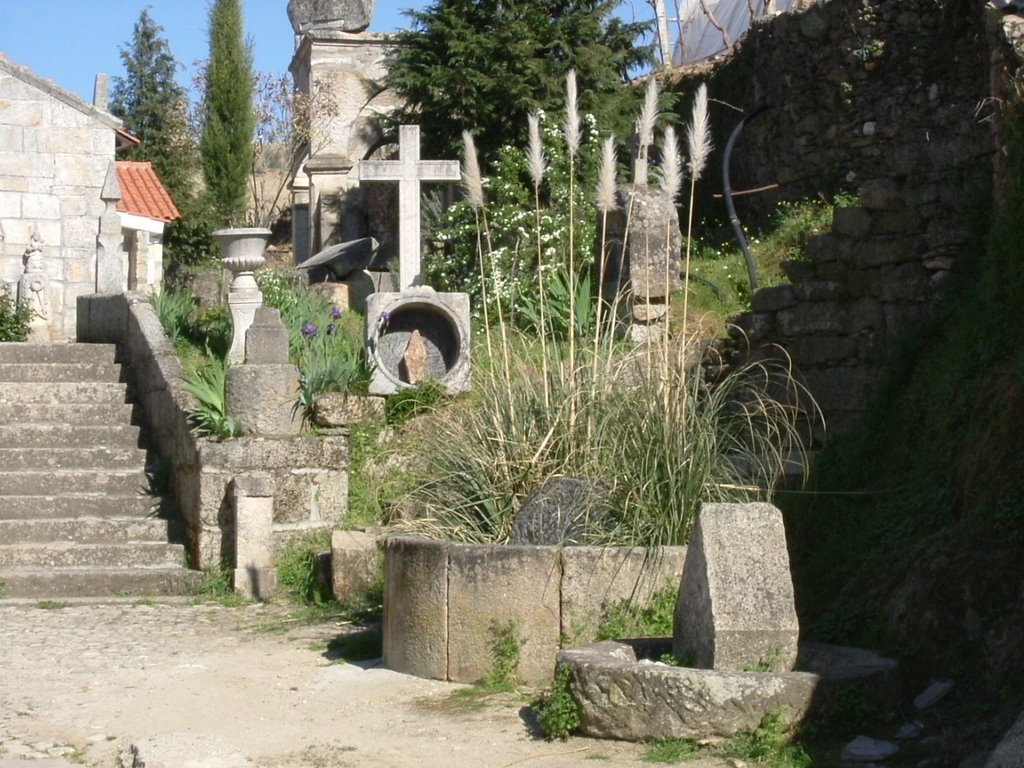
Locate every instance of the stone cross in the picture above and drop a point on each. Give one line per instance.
(408, 170)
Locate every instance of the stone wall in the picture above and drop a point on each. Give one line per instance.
(444, 601)
(309, 474)
(55, 152)
(892, 100)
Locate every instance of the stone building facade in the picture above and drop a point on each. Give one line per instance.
(56, 153)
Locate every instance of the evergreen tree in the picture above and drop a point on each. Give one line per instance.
(484, 65)
(154, 109)
(228, 121)
(152, 106)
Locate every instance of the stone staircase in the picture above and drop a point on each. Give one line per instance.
(77, 515)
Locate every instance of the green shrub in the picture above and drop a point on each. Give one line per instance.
(557, 711)
(15, 317)
(503, 674)
(626, 619)
(771, 742)
(413, 401)
(297, 568)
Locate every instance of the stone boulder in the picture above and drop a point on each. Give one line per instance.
(557, 512)
(343, 15)
(736, 609)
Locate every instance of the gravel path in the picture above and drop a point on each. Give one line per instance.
(204, 686)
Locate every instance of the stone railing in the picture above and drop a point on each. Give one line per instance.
(308, 474)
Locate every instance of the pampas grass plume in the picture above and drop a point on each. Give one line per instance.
(471, 179)
(672, 176)
(535, 154)
(605, 198)
(572, 114)
(699, 133)
(649, 113)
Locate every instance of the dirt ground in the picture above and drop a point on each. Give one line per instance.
(207, 686)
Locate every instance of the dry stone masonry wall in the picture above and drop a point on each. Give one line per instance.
(894, 102)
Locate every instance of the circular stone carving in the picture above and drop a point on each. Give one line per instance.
(419, 340)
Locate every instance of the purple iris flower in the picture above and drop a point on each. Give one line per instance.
(335, 312)
(309, 330)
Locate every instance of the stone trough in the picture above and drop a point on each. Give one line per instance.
(622, 695)
(736, 628)
(442, 600)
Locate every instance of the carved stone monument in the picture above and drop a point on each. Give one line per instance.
(34, 290)
(110, 272)
(243, 255)
(416, 335)
(408, 170)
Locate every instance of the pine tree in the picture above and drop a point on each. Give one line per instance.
(228, 121)
(484, 65)
(154, 109)
(153, 106)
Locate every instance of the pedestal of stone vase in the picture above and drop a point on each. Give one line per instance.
(242, 249)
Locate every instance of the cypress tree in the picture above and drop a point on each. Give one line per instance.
(226, 145)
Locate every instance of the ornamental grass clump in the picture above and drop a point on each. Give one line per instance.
(656, 437)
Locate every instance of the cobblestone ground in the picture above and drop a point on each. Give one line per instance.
(239, 686)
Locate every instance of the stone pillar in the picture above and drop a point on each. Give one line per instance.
(110, 277)
(253, 497)
(262, 392)
(653, 244)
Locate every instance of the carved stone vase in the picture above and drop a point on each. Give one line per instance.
(242, 249)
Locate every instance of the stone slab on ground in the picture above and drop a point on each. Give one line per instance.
(182, 750)
(1010, 752)
(736, 609)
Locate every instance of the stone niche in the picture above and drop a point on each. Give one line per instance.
(418, 335)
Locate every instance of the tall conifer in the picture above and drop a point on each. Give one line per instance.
(226, 145)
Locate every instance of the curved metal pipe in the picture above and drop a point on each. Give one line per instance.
(727, 195)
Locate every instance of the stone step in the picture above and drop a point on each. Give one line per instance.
(61, 393)
(26, 352)
(66, 413)
(59, 372)
(60, 481)
(135, 554)
(71, 458)
(84, 530)
(43, 506)
(69, 435)
(62, 583)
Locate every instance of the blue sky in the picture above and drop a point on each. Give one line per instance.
(69, 41)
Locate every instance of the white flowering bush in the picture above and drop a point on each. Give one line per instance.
(511, 255)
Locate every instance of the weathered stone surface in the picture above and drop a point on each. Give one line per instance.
(266, 341)
(337, 262)
(415, 623)
(346, 15)
(356, 560)
(644, 312)
(557, 512)
(349, 294)
(442, 321)
(261, 399)
(339, 409)
(654, 242)
(620, 698)
(490, 587)
(881, 195)
(772, 299)
(253, 496)
(851, 222)
(736, 608)
(595, 578)
(1010, 752)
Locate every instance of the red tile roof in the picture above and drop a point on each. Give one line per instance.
(142, 193)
